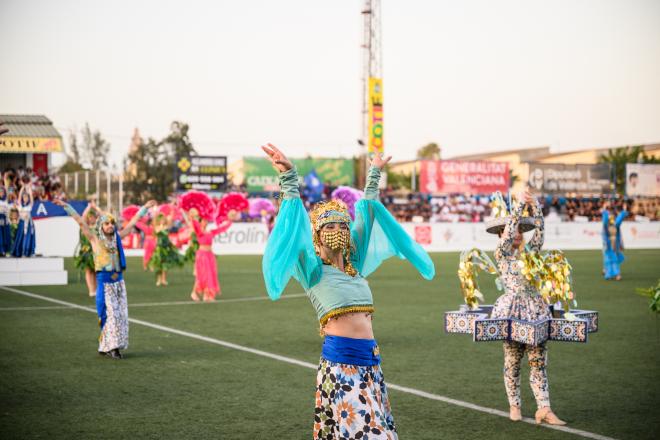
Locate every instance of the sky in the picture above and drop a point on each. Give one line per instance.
(472, 76)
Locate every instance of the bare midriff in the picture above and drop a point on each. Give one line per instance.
(350, 325)
(204, 247)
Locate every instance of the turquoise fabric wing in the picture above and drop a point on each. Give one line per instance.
(290, 250)
(378, 236)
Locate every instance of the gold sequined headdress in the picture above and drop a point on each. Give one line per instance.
(332, 211)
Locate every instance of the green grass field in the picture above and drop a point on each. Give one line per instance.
(54, 385)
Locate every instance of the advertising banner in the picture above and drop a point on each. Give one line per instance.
(260, 175)
(59, 237)
(11, 144)
(642, 180)
(44, 209)
(454, 176)
(202, 173)
(558, 178)
(376, 141)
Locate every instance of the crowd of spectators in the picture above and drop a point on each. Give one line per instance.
(44, 186)
(405, 207)
(416, 207)
(460, 208)
(589, 209)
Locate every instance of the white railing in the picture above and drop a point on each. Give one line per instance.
(106, 188)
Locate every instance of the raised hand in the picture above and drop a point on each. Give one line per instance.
(150, 204)
(277, 158)
(378, 161)
(525, 197)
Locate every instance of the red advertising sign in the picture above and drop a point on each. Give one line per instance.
(423, 234)
(454, 176)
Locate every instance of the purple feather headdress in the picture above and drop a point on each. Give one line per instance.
(258, 205)
(348, 195)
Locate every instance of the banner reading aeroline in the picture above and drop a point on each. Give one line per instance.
(454, 176)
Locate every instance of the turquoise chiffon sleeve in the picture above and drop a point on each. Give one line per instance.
(377, 236)
(290, 250)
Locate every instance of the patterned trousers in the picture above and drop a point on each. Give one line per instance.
(537, 357)
(114, 333)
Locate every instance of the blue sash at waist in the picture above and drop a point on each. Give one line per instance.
(362, 352)
(109, 277)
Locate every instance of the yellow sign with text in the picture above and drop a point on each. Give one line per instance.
(376, 144)
(10, 144)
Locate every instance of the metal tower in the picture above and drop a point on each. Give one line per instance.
(371, 66)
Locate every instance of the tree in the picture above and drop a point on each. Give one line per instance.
(90, 153)
(72, 163)
(140, 162)
(152, 164)
(177, 143)
(429, 151)
(619, 157)
(99, 149)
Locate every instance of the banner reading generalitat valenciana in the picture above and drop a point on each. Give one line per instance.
(454, 176)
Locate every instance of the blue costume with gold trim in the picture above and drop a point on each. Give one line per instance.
(612, 244)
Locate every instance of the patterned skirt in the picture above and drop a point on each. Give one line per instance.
(112, 308)
(84, 258)
(166, 256)
(352, 403)
(524, 306)
(206, 273)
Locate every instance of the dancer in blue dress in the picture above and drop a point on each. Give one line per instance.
(5, 229)
(25, 241)
(612, 242)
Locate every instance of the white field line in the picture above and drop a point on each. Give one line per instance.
(293, 361)
(165, 303)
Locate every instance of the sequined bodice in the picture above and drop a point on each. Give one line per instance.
(106, 261)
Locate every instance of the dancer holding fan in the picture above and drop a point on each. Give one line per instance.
(197, 203)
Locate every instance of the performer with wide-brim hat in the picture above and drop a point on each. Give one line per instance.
(521, 301)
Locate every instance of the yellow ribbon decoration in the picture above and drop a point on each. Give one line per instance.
(467, 273)
(550, 274)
